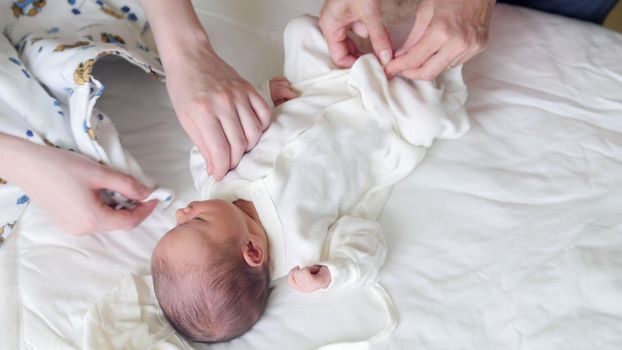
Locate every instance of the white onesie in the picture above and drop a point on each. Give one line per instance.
(318, 178)
(321, 173)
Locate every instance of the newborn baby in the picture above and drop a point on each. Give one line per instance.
(304, 201)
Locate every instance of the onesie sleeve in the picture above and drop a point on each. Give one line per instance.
(355, 253)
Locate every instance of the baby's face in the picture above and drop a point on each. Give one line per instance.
(213, 221)
(202, 228)
(217, 219)
(210, 227)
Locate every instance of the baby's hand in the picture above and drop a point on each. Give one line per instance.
(281, 91)
(310, 278)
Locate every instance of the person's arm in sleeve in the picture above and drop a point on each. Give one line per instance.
(354, 255)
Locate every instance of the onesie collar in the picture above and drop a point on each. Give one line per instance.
(271, 221)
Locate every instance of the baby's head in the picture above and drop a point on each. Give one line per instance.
(210, 272)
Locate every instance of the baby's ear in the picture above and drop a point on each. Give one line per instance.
(252, 253)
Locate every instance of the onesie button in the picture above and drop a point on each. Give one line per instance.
(289, 153)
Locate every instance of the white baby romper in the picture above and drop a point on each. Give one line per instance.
(321, 173)
(304, 175)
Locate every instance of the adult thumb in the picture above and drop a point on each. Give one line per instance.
(379, 37)
(125, 185)
(128, 219)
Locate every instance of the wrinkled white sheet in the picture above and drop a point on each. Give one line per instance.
(508, 238)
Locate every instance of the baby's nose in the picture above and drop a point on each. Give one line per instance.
(181, 213)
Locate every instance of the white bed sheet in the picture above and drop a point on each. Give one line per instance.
(508, 238)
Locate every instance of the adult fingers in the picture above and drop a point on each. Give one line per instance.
(416, 56)
(122, 183)
(336, 35)
(466, 55)
(469, 46)
(260, 108)
(250, 124)
(432, 67)
(231, 126)
(126, 219)
(340, 53)
(379, 37)
(217, 146)
(459, 59)
(197, 139)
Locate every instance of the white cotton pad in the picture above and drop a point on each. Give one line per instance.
(164, 195)
(118, 201)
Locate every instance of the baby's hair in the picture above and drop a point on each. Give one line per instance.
(215, 302)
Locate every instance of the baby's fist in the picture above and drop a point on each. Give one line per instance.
(310, 278)
(281, 91)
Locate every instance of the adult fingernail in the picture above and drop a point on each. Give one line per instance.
(385, 57)
(186, 210)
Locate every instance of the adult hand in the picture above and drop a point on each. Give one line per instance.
(310, 278)
(67, 185)
(363, 17)
(221, 112)
(445, 33)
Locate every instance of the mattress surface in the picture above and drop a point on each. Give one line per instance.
(508, 238)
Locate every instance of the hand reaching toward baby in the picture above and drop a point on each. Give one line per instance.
(70, 189)
(281, 91)
(310, 278)
(221, 112)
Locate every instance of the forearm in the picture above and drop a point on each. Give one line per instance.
(16, 157)
(177, 30)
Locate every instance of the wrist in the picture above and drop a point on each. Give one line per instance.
(184, 51)
(177, 31)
